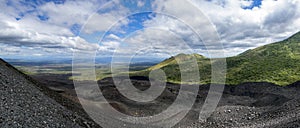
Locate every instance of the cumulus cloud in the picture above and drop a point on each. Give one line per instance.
(271, 22)
(31, 33)
(113, 14)
(52, 28)
(165, 34)
(22, 32)
(239, 28)
(70, 12)
(140, 3)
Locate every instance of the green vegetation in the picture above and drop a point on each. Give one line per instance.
(276, 63)
(172, 70)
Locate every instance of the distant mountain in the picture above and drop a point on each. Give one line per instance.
(276, 63)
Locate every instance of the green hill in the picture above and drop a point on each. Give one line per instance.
(276, 63)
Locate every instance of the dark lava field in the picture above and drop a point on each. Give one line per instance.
(246, 105)
(26, 102)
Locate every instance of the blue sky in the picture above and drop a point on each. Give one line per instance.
(255, 3)
(49, 28)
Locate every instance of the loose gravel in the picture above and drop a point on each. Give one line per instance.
(23, 105)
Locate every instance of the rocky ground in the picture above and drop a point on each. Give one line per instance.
(24, 103)
(247, 105)
(257, 105)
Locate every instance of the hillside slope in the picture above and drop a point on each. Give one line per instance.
(276, 63)
(23, 104)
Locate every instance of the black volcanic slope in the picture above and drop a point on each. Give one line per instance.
(247, 105)
(23, 104)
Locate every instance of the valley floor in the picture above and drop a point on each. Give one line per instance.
(245, 105)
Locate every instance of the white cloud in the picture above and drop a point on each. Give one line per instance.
(140, 3)
(30, 35)
(113, 37)
(272, 21)
(30, 32)
(258, 26)
(154, 41)
(246, 3)
(70, 12)
(238, 28)
(111, 13)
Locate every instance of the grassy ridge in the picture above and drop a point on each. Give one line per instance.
(276, 63)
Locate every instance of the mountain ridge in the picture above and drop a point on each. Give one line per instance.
(275, 63)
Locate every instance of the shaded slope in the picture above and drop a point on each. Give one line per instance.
(24, 105)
